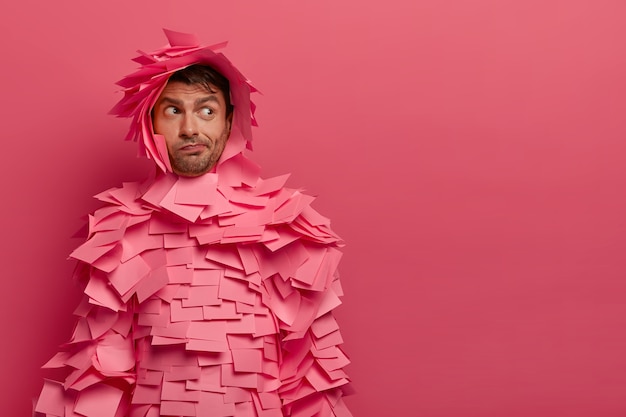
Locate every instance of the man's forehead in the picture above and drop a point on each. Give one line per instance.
(197, 90)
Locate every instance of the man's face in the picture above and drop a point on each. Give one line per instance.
(195, 125)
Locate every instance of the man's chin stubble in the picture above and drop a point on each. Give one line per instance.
(191, 168)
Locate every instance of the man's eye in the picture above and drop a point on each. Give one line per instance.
(206, 111)
(171, 110)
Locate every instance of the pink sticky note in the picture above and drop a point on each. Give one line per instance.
(207, 330)
(236, 290)
(321, 381)
(271, 412)
(247, 360)
(220, 207)
(128, 274)
(324, 325)
(52, 399)
(321, 234)
(163, 359)
(238, 238)
(247, 198)
(176, 391)
(244, 326)
(246, 409)
(174, 330)
(178, 240)
(180, 313)
(160, 225)
(257, 308)
(333, 364)
(292, 207)
(212, 404)
(57, 361)
(275, 239)
(90, 254)
(181, 292)
(285, 309)
(207, 276)
(206, 359)
(110, 260)
(244, 341)
(106, 237)
(138, 240)
(148, 377)
(179, 256)
(101, 292)
(231, 378)
(244, 231)
(270, 350)
(270, 400)
(202, 295)
(81, 332)
(183, 373)
(207, 345)
(152, 306)
(156, 280)
(146, 394)
(225, 256)
(100, 321)
(328, 271)
(211, 236)
(180, 274)
(326, 353)
(115, 353)
(126, 194)
(99, 401)
(154, 320)
(329, 302)
(331, 339)
(237, 395)
(164, 341)
(271, 368)
(178, 408)
(115, 221)
(225, 311)
(249, 261)
(256, 216)
(209, 380)
(159, 189)
(235, 273)
(171, 291)
(265, 325)
(196, 190)
(313, 217)
(309, 269)
(186, 211)
(181, 39)
(271, 185)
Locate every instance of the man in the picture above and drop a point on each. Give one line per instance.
(193, 115)
(208, 290)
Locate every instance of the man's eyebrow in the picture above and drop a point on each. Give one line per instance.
(198, 102)
(203, 100)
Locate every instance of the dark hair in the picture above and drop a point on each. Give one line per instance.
(206, 77)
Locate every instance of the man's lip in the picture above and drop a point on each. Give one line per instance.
(192, 147)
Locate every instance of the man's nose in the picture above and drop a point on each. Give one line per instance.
(189, 126)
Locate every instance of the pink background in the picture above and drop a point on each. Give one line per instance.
(472, 154)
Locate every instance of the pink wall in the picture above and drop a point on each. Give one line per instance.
(472, 153)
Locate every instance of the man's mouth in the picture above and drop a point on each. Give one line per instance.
(193, 147)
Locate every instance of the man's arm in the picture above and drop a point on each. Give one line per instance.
(97, 364)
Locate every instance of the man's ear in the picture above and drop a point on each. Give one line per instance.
(229, 121)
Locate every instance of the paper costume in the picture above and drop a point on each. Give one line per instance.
(205, 296)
